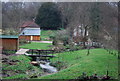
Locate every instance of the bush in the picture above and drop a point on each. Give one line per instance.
(23, 41)
(59, 65)
(7, 52)
(52, 36)
(61, 36)
(10, 31)
(72, 47)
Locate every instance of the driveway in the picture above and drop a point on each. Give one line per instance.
(43, 41)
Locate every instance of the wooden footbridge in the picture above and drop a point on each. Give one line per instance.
(36, 52)
(35, 55)
(21, 51)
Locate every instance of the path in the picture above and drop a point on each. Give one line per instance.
(22, 51)
(43, 41)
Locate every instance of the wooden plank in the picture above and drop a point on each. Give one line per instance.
(22, 51)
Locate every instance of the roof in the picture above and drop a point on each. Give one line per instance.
(8, 36)
(30, 31)
(30, 24)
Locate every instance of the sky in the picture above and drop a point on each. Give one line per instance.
(60, 0)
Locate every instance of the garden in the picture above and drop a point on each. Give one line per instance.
(81, 40)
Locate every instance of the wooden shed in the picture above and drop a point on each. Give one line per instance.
(9, 42)
(30, 34)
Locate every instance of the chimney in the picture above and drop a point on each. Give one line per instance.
(34, 19)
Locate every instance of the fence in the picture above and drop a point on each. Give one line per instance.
(92, 44)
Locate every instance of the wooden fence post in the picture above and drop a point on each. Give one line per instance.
(32, 51)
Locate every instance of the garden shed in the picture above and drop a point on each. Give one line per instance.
(30, 34)
(29, 31)
(9, 42)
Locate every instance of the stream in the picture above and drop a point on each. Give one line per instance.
(46, 66)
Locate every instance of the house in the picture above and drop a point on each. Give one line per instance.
(30, 34)
(79, 34)
(30, 31)
(9, 42)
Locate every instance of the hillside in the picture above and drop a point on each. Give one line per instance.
(77, 62)
(19, 67)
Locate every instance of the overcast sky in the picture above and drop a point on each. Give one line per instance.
(59, 0)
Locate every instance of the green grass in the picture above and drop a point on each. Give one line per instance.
(18, 76)
(34, 45)
(18, 71)
(46, 34)
(23, 64)
(99, 61)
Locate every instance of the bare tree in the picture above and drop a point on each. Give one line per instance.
(75, 14)
(15, 13)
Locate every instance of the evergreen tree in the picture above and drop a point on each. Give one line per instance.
(49, 16)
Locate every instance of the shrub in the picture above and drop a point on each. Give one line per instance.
(59, 65)
(72, 47)
(61, 35)
(10, 31)
(23, 41)
(52, 36)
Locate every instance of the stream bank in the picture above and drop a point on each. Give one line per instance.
(18, 67)
(45, 66)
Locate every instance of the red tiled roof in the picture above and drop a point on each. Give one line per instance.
(29, 24)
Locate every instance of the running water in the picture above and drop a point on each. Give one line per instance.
(49, 68)
(46, 66)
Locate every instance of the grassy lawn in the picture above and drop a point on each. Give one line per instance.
(34, 45)
(46, 34)
(77, 62)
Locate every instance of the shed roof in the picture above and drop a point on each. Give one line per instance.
(30, 24)
(9, 36)
(30, 31)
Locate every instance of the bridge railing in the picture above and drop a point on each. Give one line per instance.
(40, 52)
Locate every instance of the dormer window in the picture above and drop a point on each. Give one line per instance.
(23, 33)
